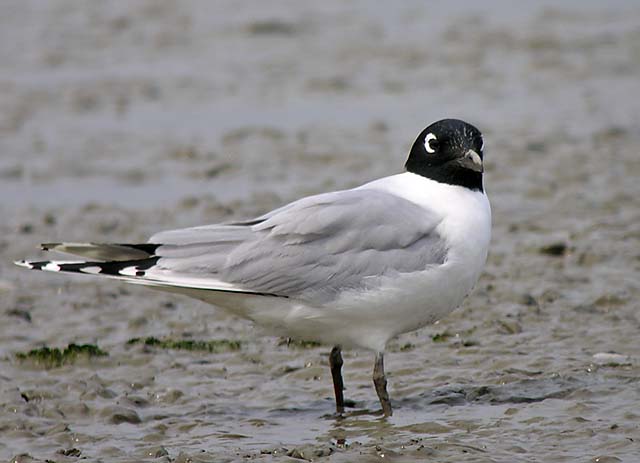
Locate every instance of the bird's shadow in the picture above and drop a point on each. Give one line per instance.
(363, 421)
(366, 421)
(527, 390)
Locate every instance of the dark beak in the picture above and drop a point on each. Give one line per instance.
(472, 161)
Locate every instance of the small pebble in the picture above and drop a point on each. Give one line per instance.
(558, 249)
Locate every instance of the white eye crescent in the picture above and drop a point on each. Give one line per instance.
(427, 141)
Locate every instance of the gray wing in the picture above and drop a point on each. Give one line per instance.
(312, 248)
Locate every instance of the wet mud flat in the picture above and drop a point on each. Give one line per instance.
(118, 120)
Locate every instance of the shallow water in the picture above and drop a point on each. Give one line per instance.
(119, 119)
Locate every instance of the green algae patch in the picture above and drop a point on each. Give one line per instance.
(298, 343)
(406, 347)
(54, 357)
(460, 335)
(441, 337)
(214, 346)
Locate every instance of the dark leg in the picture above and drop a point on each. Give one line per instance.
(380, 382)
(335, 362)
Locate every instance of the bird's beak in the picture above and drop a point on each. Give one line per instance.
(471, 160)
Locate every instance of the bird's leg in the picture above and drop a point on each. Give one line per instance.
(380, 382)
(335, 362)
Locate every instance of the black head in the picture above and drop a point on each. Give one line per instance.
(449, 151)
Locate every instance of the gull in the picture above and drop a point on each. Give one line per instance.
(351, 269)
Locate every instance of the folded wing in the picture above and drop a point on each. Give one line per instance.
(312, 248)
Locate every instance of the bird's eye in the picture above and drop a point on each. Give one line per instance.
(431, 143)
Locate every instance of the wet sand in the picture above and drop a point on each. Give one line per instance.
(120, 119)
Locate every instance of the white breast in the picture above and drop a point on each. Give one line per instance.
(466, 214)
(415, 300)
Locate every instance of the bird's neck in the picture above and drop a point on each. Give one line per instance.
(449, 174)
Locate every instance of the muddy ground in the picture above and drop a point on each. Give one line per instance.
(118, 119)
